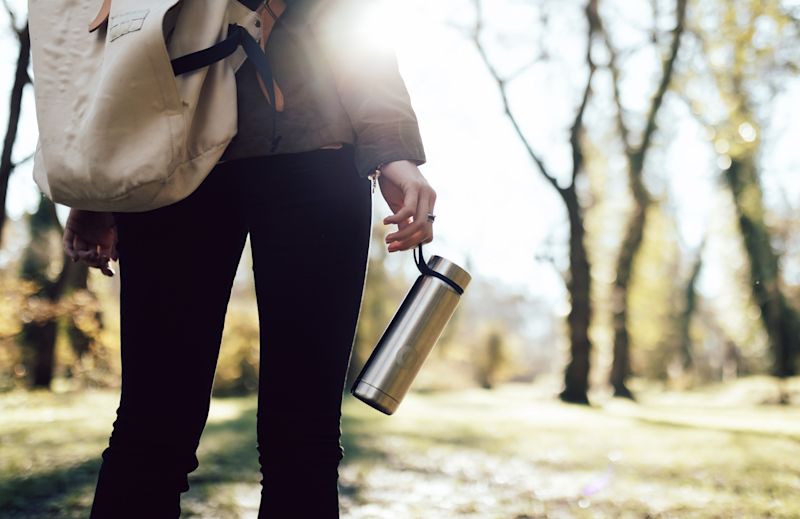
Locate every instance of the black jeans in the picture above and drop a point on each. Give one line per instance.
(309, 219)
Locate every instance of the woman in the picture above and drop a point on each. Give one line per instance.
(296, 179)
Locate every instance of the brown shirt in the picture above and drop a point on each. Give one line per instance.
(335, 86)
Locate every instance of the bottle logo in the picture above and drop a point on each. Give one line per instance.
(406, 356)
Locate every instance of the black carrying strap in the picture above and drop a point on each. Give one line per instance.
(203, 58)
(252, 4)
(426, 270)
(237, 35)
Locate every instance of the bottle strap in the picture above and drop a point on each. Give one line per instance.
(426, 270)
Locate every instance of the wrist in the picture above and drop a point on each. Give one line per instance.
(396, 167)
(103, 218)
(396, 163)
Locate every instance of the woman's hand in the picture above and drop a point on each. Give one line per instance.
(411, 198)
(92, 237)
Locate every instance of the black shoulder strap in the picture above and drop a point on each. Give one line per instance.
(237, 35)
(203, 58)
(251, 4)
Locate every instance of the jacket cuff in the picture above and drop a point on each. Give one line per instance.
(401, 142)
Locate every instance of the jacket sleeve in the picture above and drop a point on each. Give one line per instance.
(369, 85)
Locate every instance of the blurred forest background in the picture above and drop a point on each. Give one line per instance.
(668, 162)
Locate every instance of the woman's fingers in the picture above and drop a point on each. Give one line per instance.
(89, 256)
(420, 231)
(69, 248)
(105, 250)
(425, 200)
(80, 245)
(93, 256)
(407, 211)
(106, 269)
(412, 241)
(97, 260)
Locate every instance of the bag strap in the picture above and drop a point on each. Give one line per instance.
(205, 57)
(237, 35)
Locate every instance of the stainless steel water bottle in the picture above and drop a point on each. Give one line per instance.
(411, 334)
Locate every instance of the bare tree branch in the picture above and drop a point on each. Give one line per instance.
(11, 15)
(690, 104)
(666, 78)
(636, 154)
(24, 159)
(502, 87)
(654, 5)
(551, 260)
(616, 80)
(720, 77)
(576, 130)
(537, 59)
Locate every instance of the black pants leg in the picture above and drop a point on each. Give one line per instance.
(310, 250)
(308, 215)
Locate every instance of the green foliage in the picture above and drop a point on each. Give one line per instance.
(749, 48)
(237, 367)
(654, 296)
(492, 359)
(15, 297)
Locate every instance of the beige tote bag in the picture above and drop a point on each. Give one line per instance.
(118, 130)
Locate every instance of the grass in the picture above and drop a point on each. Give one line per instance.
(513, 452)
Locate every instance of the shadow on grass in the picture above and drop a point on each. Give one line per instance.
(227, 454)
(52, 493)
(360, 437)
(229, 451)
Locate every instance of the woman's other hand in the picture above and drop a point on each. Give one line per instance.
(411, 198)
(91, 236)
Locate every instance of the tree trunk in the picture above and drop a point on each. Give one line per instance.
(38, 337)
(576, 376)
(685, 317)
(780, 320)
(620, 367)
(81, 342)
(41, 356)
(21, 79)
(634, 234)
